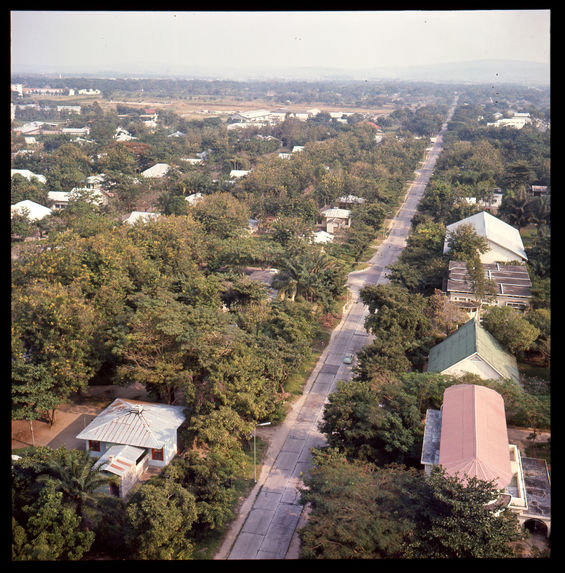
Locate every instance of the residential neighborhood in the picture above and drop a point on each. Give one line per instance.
(277, 318)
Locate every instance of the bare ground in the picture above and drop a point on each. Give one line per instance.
(71, 418)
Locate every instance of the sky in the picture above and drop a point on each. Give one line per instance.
(62, 41)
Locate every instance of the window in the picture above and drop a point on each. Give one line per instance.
(157, 454)
(93, 446)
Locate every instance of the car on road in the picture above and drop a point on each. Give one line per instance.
(348, 359)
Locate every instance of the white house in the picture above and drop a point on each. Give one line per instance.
(237, 173)
(33, 210)
(123, 135)
(148, 426)
(29, 175)
(127, 463)
(492, 204)
(193, 198)
(158, 170)
(142, 216)
(61, 198)
(336, 219)
(504, 241)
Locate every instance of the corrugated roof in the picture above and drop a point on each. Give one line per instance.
(337, 213)
(492, 229)
(468, 339)
(511, 280)
(134, 423)
(474, 439)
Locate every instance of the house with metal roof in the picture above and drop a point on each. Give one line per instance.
(156, 171)
(468, 438)
(336, 219)
(144, 425)
(143, 216)
(472, 349)
(504, 241)
(34, 211)
(126, 464)
(512, 282)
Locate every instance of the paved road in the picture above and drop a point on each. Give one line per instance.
(267, 525)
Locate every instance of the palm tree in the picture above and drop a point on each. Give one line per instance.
(299, 274)
(75, 476)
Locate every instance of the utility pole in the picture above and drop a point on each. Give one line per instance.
(255, 449)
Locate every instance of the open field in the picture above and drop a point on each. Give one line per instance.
(212, 105)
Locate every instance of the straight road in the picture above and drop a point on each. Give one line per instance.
(267, 524)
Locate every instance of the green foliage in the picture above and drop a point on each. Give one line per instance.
(357, 511)
(373, 421)
(51, 531)
(161, 517)
(457, 521)
(361, 511)
(510, 328)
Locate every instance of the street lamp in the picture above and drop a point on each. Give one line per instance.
(255, 449)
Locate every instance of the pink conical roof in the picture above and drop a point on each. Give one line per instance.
(474, 440)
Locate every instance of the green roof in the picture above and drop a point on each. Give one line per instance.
(467, 340)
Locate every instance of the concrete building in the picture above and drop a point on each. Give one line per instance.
(469, 439)
(513, 285)
(336, 219)
(504, 241)
(150, 427)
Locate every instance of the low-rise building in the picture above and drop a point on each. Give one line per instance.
(471, 349)
(29, 175)
(156, 171)
(141, 216)
(34, 211)
(149, 426)
(336, 219)
(504, 241)
(512, 282)
(468, 438)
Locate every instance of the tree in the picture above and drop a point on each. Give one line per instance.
(445, 315)
(510, 328)
(56, 328)
(161, 516)
(300, 273)
(458, 519)
(155, 350)
(357, 509)
(464, 243)
(73, 474)
(51, 532)
(221, 214)
(372, 421)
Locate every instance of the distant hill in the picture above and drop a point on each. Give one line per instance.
(478, 71)
(474, 72)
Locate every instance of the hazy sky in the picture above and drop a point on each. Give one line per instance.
(89, 41)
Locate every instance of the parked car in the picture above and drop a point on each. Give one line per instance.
(348, 359)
